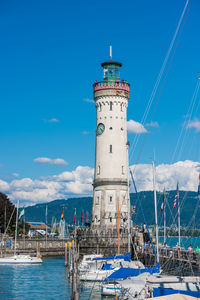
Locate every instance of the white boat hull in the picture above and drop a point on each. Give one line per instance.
(20, 259)
(99, 275)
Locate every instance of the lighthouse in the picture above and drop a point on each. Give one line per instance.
(111, 185)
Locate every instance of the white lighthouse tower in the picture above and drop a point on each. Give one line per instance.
(111, 191)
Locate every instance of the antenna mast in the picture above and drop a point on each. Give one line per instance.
(110, 53)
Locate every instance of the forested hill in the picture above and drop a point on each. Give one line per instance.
(188, 202)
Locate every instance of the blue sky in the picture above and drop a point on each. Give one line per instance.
(50, 55)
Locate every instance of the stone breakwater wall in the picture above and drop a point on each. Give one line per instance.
(49, 247)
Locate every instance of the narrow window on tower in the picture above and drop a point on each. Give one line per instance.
(110, 219)
(122, 170)
(111, 105)
(99, 106)
(121, 107)
(97, 200)
(98, 170)
(110, 148)
(110, 199)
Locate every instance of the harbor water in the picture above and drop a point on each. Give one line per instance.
(172, 241)
(50, 279)
(46, 281)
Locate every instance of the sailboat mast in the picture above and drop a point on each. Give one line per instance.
(179, 223)
(155, 205)
(118, 225)
(129, 205)
(5, 219)
(164, 217)
(16, 227)
(24, 229)
(46, 224)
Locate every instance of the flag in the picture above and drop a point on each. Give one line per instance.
(82, 218)
(176, 196)
(62, 215)
(46, 214)
(21, 213)
(163, 202)
(75, 216)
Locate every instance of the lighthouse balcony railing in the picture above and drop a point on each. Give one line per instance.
(122, 85)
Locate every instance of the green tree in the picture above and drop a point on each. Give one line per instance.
(8, 209)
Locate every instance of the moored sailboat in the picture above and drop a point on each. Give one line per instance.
(16, 258)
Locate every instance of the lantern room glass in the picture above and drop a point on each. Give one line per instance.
(111, 72)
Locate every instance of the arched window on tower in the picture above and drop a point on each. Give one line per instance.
(121, 107)
(111, 105)
(110, 148)
(98, 170)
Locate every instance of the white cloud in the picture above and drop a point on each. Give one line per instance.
(64, 176)
(194, 124)
(46, 160)
(135, 127)
(79, 182)
(167, 176)
(25, 183)
(4, 186)
(15, 174)
(53, 120)
(89, 100)
(153, 124)
(66, 184)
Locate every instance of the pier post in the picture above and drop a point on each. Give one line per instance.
(75, 292)
(38, 249)
(5, 248)
(65, 254)
(69, 264)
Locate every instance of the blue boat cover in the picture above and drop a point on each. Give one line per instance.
(123, 273)
(164, 292)
(107, 267)
(126, 257)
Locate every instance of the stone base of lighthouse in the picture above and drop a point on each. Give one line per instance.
(110, 205)
(105, 242)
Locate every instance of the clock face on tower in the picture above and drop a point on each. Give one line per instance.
(100, 128)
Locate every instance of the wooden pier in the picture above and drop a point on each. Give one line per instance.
(172, 261)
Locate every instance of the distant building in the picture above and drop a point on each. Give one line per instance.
(37, 229)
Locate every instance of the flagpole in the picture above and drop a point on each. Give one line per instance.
(179, 221)
(24, 228)
(164, 217)
(16, 227)
(5, 220)
(156, 215)
(46, 225)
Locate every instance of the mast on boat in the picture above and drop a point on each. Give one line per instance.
(16, 227)
(46, 224)
(118, 225)
(129, 206)
(179, 219)
(156, 214)
(164, 216)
